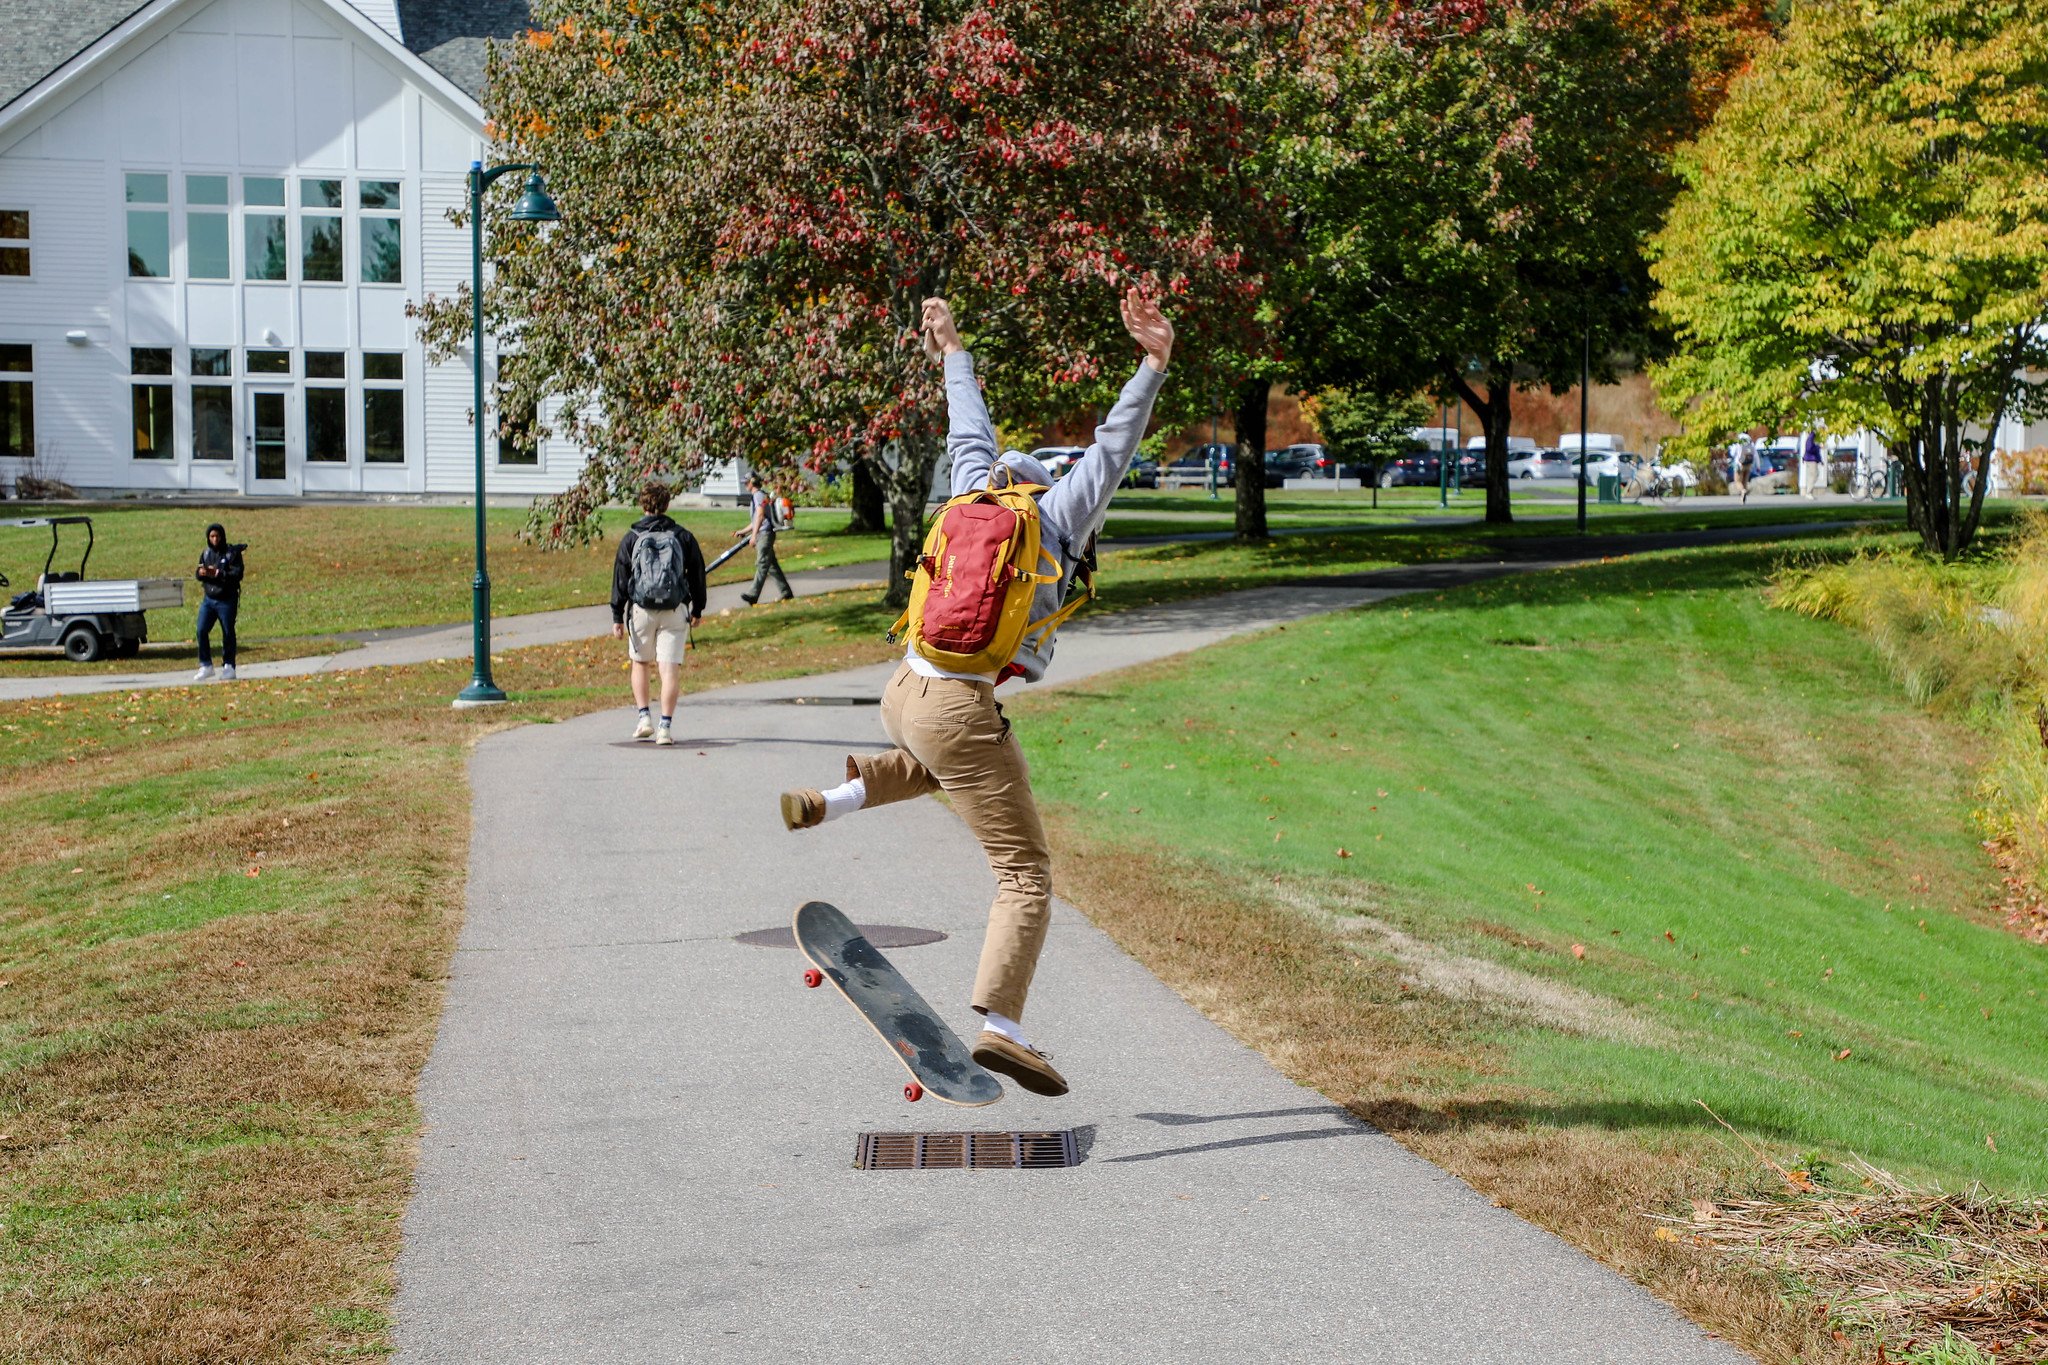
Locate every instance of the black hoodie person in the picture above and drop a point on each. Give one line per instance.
(220, 579)
(657, 595)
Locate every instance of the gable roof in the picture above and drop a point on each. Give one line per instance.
(449, 36)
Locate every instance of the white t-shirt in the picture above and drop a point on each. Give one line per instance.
(925, 668)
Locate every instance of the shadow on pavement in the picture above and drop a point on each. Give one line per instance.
(1350, 1130)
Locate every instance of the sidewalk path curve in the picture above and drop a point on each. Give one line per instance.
(639, 1133)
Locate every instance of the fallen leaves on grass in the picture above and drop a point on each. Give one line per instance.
(1910, 1263)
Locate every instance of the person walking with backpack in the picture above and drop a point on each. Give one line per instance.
(771, 514)
(1016, 543)
(657, 596)
(220, 583)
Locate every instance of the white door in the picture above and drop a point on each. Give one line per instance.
(271, 439)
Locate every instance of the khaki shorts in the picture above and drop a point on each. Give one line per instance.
(657, 637)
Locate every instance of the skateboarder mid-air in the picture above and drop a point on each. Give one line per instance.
(940, 707)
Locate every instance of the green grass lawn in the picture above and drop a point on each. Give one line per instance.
(322, 570)
(1763, 852)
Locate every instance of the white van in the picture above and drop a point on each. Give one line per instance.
(1597, 442)
(1517, 445)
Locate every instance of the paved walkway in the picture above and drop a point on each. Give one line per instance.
(640, 1133)
(424, 644)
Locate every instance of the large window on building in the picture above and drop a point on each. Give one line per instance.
(384, 407)
(206, 227)
(327, 407)
(13, 241)
(320, 231)
(149, 225)
(517, 445)
(382, 233)
(150, 388)
(213, 404)
(17, 401)
(266, 246)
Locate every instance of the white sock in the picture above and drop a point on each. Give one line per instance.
(1008, 1027)
(845, 798)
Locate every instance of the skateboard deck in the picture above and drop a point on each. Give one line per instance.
(937, 1060)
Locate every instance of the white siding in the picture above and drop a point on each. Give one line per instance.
(244, 88)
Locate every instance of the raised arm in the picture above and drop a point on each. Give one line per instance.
(970, 436)
(1077, 504)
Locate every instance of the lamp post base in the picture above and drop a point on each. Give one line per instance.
(478, 694)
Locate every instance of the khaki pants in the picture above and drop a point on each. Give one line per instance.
(952, 737)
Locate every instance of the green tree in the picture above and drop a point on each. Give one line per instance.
(759, 194)
(1360, 427)
(1475, 183)
(1863, 241)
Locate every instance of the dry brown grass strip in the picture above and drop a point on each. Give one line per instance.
(1348, 1023)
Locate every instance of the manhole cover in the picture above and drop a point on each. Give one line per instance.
(881, 935)
(965, 1151)
(830, 701)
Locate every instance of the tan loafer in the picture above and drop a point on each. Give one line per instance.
(803, 809)
(1026, 1066)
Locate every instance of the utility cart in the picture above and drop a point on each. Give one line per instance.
(86, 618)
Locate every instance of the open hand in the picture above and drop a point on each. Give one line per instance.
(1148, 327)
(940, 333)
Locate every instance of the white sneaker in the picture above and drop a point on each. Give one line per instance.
(662, 736)
(645, 729)
(227, 672)
(204, 674)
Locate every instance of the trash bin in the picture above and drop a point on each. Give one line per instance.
(1610, 487)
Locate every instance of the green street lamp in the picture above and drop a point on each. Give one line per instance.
(534, 206)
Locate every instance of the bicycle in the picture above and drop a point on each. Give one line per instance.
(1654, 482)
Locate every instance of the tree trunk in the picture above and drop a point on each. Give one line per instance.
(870, 508)
(1251, 461)
(909, 487)
(1931, 466)
(1495, 412)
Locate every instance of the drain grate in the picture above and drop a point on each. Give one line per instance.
(966, 1151)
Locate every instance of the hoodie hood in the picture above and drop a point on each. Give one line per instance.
(216, 526)
(1025, 469)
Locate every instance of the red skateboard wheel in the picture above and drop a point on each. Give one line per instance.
(813, 977)
(913, 1092)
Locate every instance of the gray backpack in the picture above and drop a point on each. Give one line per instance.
(657, 581)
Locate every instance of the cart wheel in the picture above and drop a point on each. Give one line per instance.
(913, 1092)
(813, 977)
(81, 644)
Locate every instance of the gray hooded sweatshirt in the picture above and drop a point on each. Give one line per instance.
(1069, 513)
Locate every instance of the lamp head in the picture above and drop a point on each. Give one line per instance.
(534, 206)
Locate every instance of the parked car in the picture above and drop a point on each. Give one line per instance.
(1193, 467)
(1285, 463)
(1142, 474)
(1620, 464)
(1416, 467)
(1312, 461)
(1540, 464)
(1057, 458)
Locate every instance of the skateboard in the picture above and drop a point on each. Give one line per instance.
(937, 1060)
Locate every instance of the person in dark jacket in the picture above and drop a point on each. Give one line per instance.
(220, 582)
(658, 593)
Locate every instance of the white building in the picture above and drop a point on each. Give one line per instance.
(213, 214)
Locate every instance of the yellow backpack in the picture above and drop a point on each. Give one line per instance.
(971, 592)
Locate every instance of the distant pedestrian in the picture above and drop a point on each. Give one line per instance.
(220, 583)
(657, 596)
(1812, 470)
(771, 514)
(1738, 467)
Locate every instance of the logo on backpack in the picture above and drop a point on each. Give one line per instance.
(657, 582)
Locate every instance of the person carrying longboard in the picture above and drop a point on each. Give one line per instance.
(990, 592)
